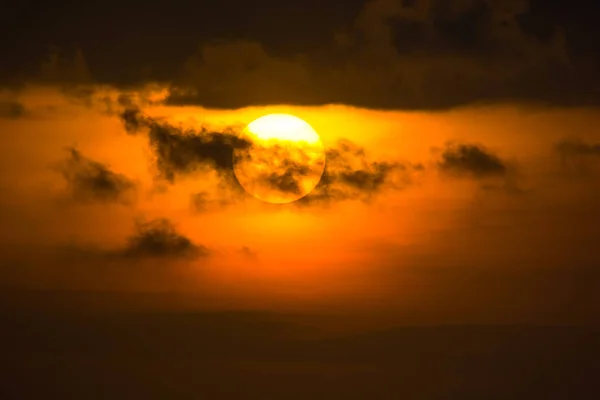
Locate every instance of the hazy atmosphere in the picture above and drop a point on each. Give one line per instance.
(427, 228)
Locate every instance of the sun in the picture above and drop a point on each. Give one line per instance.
(283, 127)
(285, 161)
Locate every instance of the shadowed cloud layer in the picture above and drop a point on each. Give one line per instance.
(400, 54)
(421, 54)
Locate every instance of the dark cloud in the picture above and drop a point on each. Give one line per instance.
(133, 119)
(471, 160)
(273, 168)
(370, 179)
(125, 100)
(350, 175)
(151, 239)
(90, 181)
(421, 54)
(493, 173)
(154, 256)
(11, 109)
(287, 182)
(397, 54)
(181, 152)
(292, 168)
(159, 239)
(79, 94)
(64, 67)
(579, 159)
(573, 147)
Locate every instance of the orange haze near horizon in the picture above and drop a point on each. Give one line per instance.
(391, 254)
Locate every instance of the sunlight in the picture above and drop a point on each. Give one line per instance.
(283, 127)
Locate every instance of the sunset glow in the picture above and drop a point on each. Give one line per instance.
(283, 127)
(283, 160)
(342, 199)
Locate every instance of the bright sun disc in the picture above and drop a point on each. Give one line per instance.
(285, 161)
(283, 127)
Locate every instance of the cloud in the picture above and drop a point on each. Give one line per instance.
(348, 172)
(11, 109)
(182, 152)
(133, 119)
(468, 160)
(350, 175)
(398, 54)
(159, 239)
(91, 181)
(288, 181)
(394, 54)
(579, 158)
(293, 167)
(155, 256)
(283, 170)
(151, 239)
(471, 160)
(64, 67)
(238, 74)
(573, 147)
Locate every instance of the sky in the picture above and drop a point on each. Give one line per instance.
(461, 142)
(461, 182)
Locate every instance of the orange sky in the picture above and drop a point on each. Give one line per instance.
(440, 240)
(448, 242)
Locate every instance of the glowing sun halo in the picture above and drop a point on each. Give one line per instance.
(283, 127)
(285, 161)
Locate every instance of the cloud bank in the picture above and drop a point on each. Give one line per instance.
(383, 54)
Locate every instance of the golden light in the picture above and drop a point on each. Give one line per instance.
(283, 127)
(284, 163)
